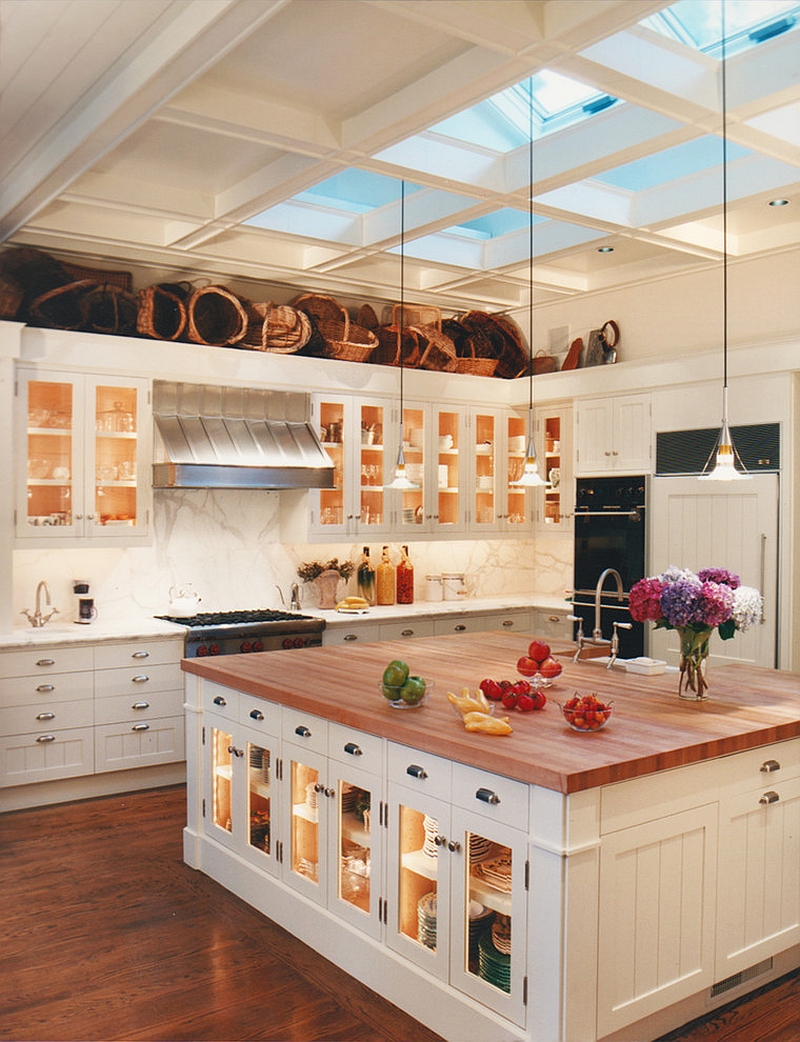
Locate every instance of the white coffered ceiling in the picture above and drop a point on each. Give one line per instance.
(266, 139)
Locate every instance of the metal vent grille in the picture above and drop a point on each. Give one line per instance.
(740, 978)
(687, 452)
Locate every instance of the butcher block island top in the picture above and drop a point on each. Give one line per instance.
(651, 729)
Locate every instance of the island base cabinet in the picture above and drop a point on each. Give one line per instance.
(656, 916)
(758, 908)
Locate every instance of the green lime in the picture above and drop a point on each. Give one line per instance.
(392, 693)
(395, 674)
(413, 690)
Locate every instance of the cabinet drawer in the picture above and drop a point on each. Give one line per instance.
(137, 653)
(417, 770)
(492, 795)
(355, 748)
(135, 680)
(409, 628)
(757, 769)
(512, 620)
(119, 747)
(364, 634)
(40, 691)
(41, 661)
(262, 715)
(304, 730)
(220, 700)
(120, 709)
(25, 759)
(36, 719)
(554, 624)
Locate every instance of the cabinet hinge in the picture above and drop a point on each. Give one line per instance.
(279, 768)
(525, 990)
(204, 807)
(203, 739)
(383, 818)
(279, 851)
(527, 875)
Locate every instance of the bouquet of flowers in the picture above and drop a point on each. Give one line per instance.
(695, 605)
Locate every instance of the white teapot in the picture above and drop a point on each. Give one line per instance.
(183, 601)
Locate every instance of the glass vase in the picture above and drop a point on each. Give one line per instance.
(693, 683)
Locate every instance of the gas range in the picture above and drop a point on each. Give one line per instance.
(251, 630)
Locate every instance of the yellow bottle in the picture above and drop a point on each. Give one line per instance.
(385, 579)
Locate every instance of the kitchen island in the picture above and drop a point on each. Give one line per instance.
(657, 860)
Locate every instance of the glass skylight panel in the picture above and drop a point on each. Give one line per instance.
(493, 225)
(698, 23)
(671, 164)
(354, 191)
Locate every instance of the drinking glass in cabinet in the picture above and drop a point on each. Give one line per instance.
(305, 821)
(488, 911)
(419, 864)
(221, 779)
(354, 845)
(258, 797)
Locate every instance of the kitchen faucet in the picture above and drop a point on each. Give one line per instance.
(294, 603)
(38, 619)
(597, 632)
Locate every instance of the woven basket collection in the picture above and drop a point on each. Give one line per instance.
(38, 289)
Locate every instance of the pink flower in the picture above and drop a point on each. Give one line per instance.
(645, 600)
(714, 605)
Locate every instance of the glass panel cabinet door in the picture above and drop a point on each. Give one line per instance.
(116, 473)
(305, 866)
(449, 491)
(221, 753)
(484, 514)
(489, 913)
(517, 510)
(53, 446)
(356, 859)
(261, 836)
(412, 512)
(372, 477)
(555, 504)
(332, 500)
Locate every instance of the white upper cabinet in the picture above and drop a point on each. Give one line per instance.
(613, 434)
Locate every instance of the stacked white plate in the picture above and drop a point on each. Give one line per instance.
(431, 826)
(426, 920)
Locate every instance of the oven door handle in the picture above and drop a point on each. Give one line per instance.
(635, 514)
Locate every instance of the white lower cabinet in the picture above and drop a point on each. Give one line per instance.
(457, 880)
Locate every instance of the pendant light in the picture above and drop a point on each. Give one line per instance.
(724, 454)
(530, 477)
(401, 480)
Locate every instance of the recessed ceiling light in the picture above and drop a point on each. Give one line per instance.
(605, 249)
(778, 202)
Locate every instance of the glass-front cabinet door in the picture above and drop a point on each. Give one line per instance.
(220, 805)
(86, 445)
(413, 501)
(516, 513)
(449, 497)
(305, 855)
(356, 854)
(555, 503)
(485, 430)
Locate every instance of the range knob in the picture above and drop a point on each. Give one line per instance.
(213, 649)
(258, 645)
(299, 642)
(202, 651)
(287, 642)
(245, 646)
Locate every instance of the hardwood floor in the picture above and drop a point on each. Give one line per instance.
(106, 934)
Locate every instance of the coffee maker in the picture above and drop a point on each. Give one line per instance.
(85, 611)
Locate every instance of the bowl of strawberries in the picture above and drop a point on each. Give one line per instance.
(586, 713)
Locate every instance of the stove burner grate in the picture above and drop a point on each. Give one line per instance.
(234, 618)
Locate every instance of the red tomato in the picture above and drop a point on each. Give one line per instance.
(527, 666)
(539, 699)
(491, 689)
(525, 703)
(509, 699)
(537, 649)
(550, 668)
(521, 687)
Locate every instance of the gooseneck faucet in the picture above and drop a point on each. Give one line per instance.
(294, 603)
(597, 632)
(38, 618)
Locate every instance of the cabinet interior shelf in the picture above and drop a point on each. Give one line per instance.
(62, 432)
(117, 435)
(302, 810)
(420, 864)
(490, 896)
(224, 770)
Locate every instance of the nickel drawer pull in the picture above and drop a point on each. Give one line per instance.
(554, 618)
(256, 714)
(768, 766)
(302, 731)
(140, 654)
(350, 636)
(508, 622)
(487, 796)
(769, 797)
(220, 701)
(46, 662)
(416, 771)
(43, 688)
(353, 749)
(460, 627)
(140, 727)
(140, 678)
(43, 739)
(406, 633)
(140, 705)
(46, 716)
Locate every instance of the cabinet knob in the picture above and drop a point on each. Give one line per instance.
(140, 727)
(302, 731)
(768, 766)
(44, 688)
(353, 749)
(454, 846)
(416, 772)
(319, 787)
(487, 796)
(231, 748)
(45, 662)
(43, 739)
(440, 841)
(329, 792)
(140, 705)
(46, 716)
(220, 701)
(256, 714)
(769, 797)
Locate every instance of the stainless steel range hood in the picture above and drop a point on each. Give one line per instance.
(235, 437)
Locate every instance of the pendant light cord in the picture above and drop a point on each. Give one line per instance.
(402, 285)
(530, 243)
(724, 205)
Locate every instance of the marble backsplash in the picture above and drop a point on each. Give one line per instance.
(229, 546)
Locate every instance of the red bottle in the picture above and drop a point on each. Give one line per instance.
(405, 579)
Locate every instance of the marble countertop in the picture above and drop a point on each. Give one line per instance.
(58, 632)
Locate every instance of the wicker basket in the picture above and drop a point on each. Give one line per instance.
(388, 350)
(31, 273)
(416, 315)
(437, 350)
(64, 307)
(215, 317)
(110, 309)
(358, 346)
(161, 313)
(329, 317)
(473, 365)
(367, 318)
(121, 279)
(11, 297)
(278, 328)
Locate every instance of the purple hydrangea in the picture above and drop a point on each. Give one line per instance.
(645, 600)
(680, 600)
(714, 604)
(721, 576)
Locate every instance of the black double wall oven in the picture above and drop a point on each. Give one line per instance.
(609, 534)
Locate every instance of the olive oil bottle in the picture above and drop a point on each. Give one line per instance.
(366, 578)
(385, 579)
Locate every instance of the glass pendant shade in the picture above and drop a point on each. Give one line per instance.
(401, 480)
(530, 477)
(724, 455)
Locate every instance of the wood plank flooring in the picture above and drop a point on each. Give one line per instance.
(106, 934)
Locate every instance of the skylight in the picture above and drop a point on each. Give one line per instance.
(353, 191)
(698, 23)
(671, 164)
